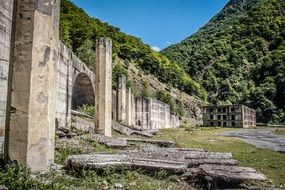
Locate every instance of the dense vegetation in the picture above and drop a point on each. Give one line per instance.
(79, 32)
(239, 57)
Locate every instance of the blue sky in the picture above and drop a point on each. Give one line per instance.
(158, 23)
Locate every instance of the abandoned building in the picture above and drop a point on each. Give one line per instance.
(238, 116)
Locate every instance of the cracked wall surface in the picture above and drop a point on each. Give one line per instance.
(6, 14)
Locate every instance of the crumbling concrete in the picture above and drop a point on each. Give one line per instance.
(108, 141)
(190, 163)
(6, 13)
(154, 114)
(103, 89)
(75, 85)
(31, 128)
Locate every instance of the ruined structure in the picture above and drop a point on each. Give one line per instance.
(103, 102)
(75, 85)
(238, 116)
(41, 81)
(153, 114)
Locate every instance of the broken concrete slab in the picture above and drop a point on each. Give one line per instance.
(160, 143)
(122, 129)
(231, 173)
(128, 131)
(100, 161)
(192, 164)
(82, 124)
(108, 141)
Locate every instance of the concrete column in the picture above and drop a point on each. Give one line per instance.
(121, 99)
(149, 119)
(103, 86)
(129, 111)
(133, 110)
(29, 138)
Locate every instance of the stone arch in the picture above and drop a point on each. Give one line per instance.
(83, 91)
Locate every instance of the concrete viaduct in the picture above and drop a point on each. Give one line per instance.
(41, 81)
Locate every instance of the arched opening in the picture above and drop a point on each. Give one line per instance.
(82, 92)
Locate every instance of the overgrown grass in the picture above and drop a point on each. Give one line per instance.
(87, 109)
(280, 131)
(266, 161)
(108, 178)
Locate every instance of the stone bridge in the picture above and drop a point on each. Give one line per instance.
(41, 81)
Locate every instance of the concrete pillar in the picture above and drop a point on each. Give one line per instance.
(134, 111)
(121, 99)
(30, 129)
(149, 111)
(129, 111)
(103, 86)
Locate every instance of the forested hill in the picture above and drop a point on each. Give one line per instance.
(79, 32)
(239, 56)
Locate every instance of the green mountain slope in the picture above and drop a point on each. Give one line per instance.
(239, 56)
(79, 32)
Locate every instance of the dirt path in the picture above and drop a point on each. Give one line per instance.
(263, 138)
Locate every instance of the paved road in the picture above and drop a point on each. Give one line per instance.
(263, 138)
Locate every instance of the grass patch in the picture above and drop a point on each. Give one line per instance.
(280, 131)
(266, 161)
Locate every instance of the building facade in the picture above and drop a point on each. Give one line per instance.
(237, 116)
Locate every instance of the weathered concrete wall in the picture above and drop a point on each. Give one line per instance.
(6, 11)
(75, 85)
(154, 114)
(31, 128)
(103, 88)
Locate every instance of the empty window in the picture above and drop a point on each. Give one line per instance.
(211, 117)
(224, 117)
(219, 124)
(225, 124)
(211, 110)
(219, 109)
(233, 117)
(233, 109)
(224, 110)
(211, 123)
(233, 124)
(219, 116)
